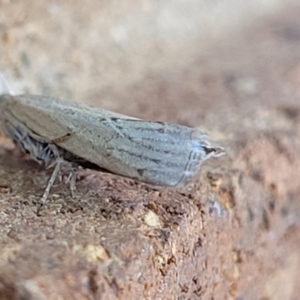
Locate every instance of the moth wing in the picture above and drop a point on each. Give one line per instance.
(153, 152)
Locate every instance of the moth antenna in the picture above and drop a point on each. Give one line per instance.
(5, 88)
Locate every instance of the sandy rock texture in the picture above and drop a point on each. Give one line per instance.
(228, 67)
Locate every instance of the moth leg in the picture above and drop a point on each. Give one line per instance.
(60, 176)
(51, 181)
(72, 179)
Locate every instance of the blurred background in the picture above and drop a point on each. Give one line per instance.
(179, 60)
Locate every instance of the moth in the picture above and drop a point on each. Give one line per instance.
(53, 132)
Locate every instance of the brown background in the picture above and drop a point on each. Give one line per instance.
(231, 68)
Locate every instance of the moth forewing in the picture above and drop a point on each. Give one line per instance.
(153, 152)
